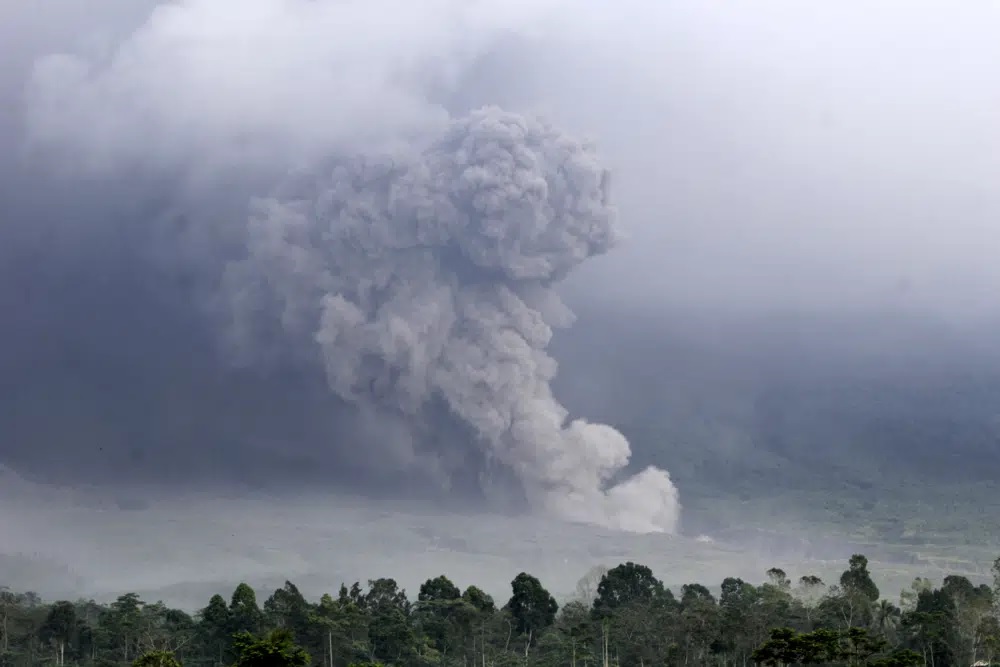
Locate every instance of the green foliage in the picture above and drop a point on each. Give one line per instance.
(438, 590)
(244, 614)
(531, 606)
(479, 600)
(854, 646)
(899, 658)
(277, 649)
(857, 580)
(633, 620)
(156, 659)
(626, 585)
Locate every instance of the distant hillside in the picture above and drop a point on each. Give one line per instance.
(843, 415)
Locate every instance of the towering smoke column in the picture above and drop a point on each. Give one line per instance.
(420, 278)
(428, 276)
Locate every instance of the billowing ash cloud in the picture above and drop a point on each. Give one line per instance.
(413, 259)
(428, 275)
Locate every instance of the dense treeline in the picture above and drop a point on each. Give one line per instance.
(624, 616)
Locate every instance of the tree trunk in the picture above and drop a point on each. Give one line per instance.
(604, 645)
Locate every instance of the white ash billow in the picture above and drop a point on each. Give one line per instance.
(427, 275)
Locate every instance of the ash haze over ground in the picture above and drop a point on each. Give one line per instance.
(296, 248)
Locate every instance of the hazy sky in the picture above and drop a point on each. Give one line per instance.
(768, 152)
(823, 154)
(827, 157)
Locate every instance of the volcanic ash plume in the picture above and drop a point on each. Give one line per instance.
(427, 276)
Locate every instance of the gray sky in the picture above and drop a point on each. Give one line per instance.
(773, 153)
(823, 154)
(829, 157)
(763, 155)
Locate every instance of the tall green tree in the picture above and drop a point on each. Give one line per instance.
(737, 608)
(276, 649)
(120, 628)
(532, 608)
(857, 580)
(59, 629)
(698, 623)
(443, 615)
(972, 605)
(213, 630)
(932, 628)
(624, 585)
(244, 613)
(288, 608)
(390, 633)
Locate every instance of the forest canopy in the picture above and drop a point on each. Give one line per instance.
(621, 616)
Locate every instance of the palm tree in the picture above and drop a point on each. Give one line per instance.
(886, 620)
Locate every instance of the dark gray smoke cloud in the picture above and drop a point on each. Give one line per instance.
(415, 266)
